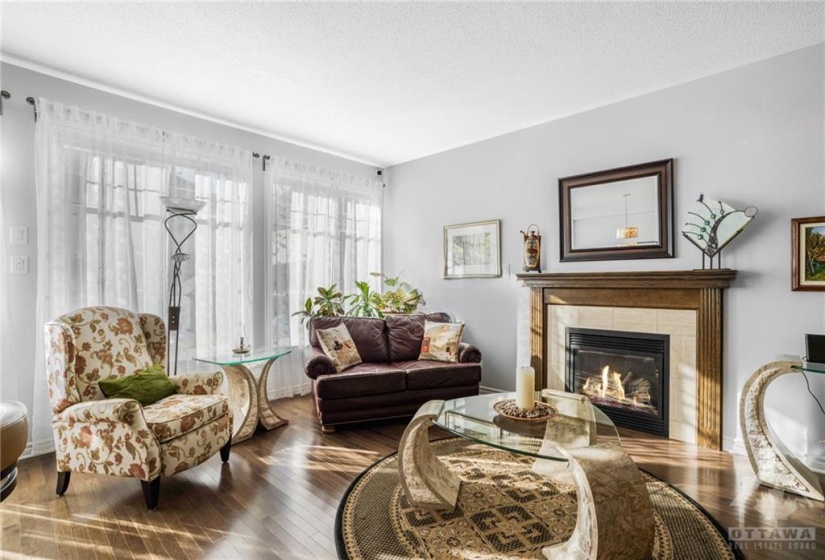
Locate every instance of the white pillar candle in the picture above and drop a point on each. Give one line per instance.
(525, 387)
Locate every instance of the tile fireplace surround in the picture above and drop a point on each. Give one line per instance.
(687, 305)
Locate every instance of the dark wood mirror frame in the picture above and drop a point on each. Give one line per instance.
(663, 248)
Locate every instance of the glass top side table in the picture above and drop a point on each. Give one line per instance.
(247, 397)
(772, 462)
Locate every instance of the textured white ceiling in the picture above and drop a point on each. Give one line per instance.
(385, 83)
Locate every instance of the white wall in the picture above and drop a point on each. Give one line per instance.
(17, 133)
(750, 136)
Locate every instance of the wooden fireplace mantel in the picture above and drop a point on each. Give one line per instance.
(698, 290)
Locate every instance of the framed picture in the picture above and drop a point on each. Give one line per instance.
(624, 213)
(473, 250)
(808, 254)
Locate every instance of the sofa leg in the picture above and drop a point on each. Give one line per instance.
(328, 429)
(225, 450)
(151, 490)
(63, 482)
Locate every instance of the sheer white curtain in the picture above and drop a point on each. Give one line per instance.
(8, 377)
(324, 229)
(101, 236)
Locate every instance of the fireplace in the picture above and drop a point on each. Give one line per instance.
(625, 374)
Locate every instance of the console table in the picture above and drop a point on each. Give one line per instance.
(773, 463)
(247, 397)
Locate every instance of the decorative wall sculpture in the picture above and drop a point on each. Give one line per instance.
(712, 224)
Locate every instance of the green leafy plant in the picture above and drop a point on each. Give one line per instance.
(400, 297)
(365, 302)
(328, 303)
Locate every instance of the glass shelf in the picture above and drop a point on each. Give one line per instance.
(811, 367)
(225, 358)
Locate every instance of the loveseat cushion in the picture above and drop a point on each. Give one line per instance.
(367, 333)
(441, 341)
(361, 380)
(180, 414)
(339, 347)
(405, 333)
(427, 374)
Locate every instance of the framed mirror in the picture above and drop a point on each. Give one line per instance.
(624, 213)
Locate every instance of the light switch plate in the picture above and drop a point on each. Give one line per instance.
(19, 264)
(18, 235)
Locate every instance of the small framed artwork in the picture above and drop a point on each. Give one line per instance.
(808, 254)
(473, 250)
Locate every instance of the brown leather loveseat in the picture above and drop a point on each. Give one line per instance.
(390, 382)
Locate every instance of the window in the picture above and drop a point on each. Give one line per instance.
(324, 229)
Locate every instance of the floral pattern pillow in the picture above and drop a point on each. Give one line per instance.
(339, 347)
(441, 341)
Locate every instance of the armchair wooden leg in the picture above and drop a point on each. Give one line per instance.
(151, 490)
(62, 482)
(225, 450)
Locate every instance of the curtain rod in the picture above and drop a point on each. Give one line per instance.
(266, 158)
(30, 101)
(3, 95)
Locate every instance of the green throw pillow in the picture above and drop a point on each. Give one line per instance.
(146, 386)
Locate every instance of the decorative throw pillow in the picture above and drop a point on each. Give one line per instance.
(441, 341)
(147, 386)
(339, 347)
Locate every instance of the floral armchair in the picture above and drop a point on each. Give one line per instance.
(119, 437)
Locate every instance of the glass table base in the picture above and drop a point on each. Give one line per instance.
(248, 400)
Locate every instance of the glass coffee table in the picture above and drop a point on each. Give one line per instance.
(576, 424)
(578, 443)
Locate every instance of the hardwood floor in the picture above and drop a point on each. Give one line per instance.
(277, 498)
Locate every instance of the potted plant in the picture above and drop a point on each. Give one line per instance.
(365, 302)
(400, 298)
(328, 303)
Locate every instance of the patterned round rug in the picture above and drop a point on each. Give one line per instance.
(504, 511)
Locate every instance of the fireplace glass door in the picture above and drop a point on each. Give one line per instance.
(625, 374)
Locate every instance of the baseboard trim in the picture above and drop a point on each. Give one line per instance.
(734, 445)
(34, 449)
(488, 390)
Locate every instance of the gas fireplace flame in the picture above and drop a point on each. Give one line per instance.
(612, 384)
(605, 372)
(616, 389)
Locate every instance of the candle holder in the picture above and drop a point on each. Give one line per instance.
(242, 348)
(509, 409)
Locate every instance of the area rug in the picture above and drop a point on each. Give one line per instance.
(504, 511)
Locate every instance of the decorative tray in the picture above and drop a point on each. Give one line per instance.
(540, 413)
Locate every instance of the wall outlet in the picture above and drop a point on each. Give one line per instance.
(18, 235)
(19, 264)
